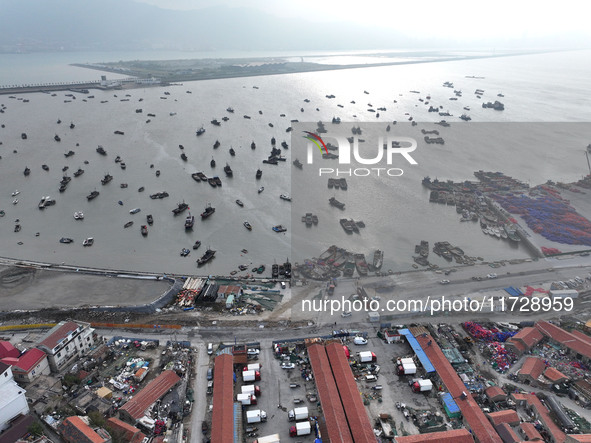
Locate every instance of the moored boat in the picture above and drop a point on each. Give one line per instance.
(337, 204)
(209, 210)
(209, 254)
(180, 208)
(247, 225)
(144, 230)
(66, 240)
(259, 174)
(88, 242)
(128, 224)
(378, 259)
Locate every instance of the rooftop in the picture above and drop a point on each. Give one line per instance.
(7, 350)
(507, 434)
(529, 335)
(495, 391)
(130, 433)
(58, 333)
(543, 414)
(533, 367)
(579, 343)
(504, 416)
(530, 432)
(222, 426)
(554, 375)
(139, 404)
(27, 361)
(75, 430)
(453, 436)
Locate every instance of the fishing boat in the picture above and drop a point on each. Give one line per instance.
(216, 144)
(200, 131)
(15, 193)
(215, 122)
(273, 141)
(247, 225)
(259, 174)
(189, 221)
(232, 152)
(346, 225)
(15, 201)
(180, 208)
(284, 144)
(128, 224)
(209, 210)
(298, 164)
(512, 233)
(253, 145)
(217, 180)
(183, 157)
(57, 138)
(212, 182)
(79, 172)
(230, 109)
(185, 252)
(337, 204)
(144, 230)
(45, 167)
(17, 228)
(209, 254)
(88, 242)
(239, 203)
(285, 197)
(261, 189)
(66, 240)
(228, 170)
(92, 195)
(101, 150)
(378, 259)
(158, 173)
(279, 228)
(134, 210)
(27, 171)
(361, 265)
(212, 162)
(199, 176)
(106, 179)
(197, 244)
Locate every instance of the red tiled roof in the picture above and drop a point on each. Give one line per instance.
(530, 431)
(7, 350)
(520, 397)
(578, 343)
(495, 391)
(454, 436)
(473, 415)
(530, 336)
(544, 414)
(334, 414)
(504, 416)
(130, 433)
(554, 375)
(74, 430)
(533, 367)
(581, 438)
(222, 426)
(507, 434)
(27, 361)
(517, 344)
(59, 333)
(137, 406)
(359, 424)
(582, 336)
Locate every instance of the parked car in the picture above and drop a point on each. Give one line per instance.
(444, 282)
(493, 275)
(210, 374)
(346, 314)
(253, 351)
(360, 341)
(209, 348)
(287, 366)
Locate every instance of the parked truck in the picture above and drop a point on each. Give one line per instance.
(246, 399)
(252, 367)
(367, 357)
(256, 416)
(422, 385)
(251, 389)
(268, 439)
(251, 376)
(298, 414)
(301, 428)
(405, 366)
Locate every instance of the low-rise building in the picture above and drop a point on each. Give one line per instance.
(532, 369)
(578, 438)
(125, 431)
(12, 398)
(66, 340)
(554, 375)
(529, 432)
(28, 366)
(139, 404)
(7, 350)
(535, 406)
(495, 393)
(453, 436)
(576, 343)
(508, 416)
(507, 434)
(76, 429)
(524, 340)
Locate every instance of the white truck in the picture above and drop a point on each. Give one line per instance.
(268, 439)
(301, 428)
(405, 366)
(251, 389)
(246, 399)
(251, 376)
(564, 293)
(367, 357)
(256, 416)
(298, 414)
(252, 367)
(421, 385)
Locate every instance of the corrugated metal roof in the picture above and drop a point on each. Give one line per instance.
(59, 332)
(332, 408)
(222, 426)
(359, 424)
(137, 406)
(237, 422)
(451, 404)
(418, 350)
(453, 436)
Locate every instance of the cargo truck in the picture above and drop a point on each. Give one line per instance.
(256, 416)
(252, 367)
(251, 389)
(301, 428)
(251, 376)
(246, 399)
(405, 366)
(298, 414)
(268, 439)
(367, 357)
(422, 386)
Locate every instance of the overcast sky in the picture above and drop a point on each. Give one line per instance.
(444, 18)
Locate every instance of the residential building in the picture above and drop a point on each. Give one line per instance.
(76, 429)
(127, 432)
(577, 343)
(65, 341)
(12, 398)
(532, 369)
(524, 340)
(30, 365)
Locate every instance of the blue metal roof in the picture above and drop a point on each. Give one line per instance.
(237, 422)
(450, 403)
(416, 347)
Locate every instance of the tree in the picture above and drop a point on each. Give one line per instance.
(97, 419)
(36, 429)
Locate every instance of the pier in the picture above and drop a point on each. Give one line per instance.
(82, 87)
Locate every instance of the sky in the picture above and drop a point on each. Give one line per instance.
(428, 18)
